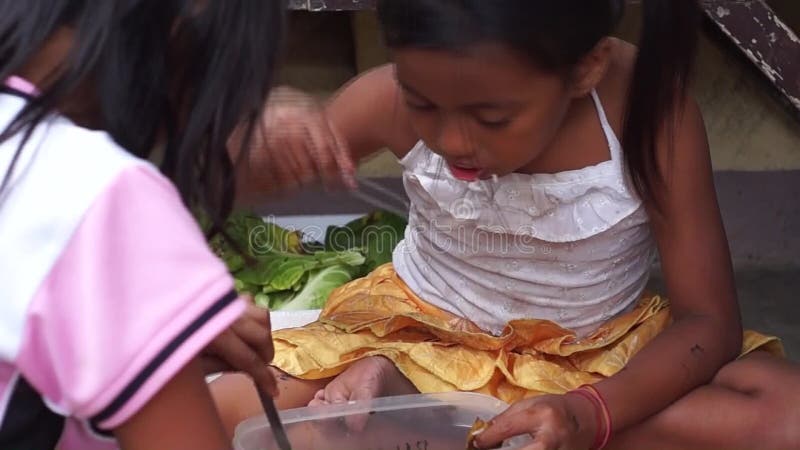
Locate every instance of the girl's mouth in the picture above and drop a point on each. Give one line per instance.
(465, 173)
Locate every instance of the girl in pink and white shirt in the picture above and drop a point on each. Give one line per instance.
(108, 292)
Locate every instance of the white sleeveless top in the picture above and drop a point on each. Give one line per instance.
(573, 247)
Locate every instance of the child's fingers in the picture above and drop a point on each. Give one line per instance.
(334, 393)
(320, 148)
(338, 167)
(290, 149)
(257, 314)
(277, 166)
(212, 364)
(302, 151)
(241, 357)
(290, 161)
(513, 422)
(343, 159)
(319, 399)
(297, 112)
(256, 335)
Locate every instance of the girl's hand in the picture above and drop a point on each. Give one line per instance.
(294, 145)
(555, 422)
(245, 347)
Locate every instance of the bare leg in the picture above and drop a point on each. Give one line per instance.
(753, 403)
(237, 400)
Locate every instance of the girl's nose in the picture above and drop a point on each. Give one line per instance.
(454, 140)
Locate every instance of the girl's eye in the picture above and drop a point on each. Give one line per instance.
(493, 123)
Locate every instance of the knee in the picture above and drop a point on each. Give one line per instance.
(777, 423)
(772, 386)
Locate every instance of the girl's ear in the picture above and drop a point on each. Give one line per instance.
(591, 69)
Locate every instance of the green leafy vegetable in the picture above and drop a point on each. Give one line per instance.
(376, 235)
(281, 271)
(261, 237)
(319, 286)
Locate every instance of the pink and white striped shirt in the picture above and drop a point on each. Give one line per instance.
(107, 287)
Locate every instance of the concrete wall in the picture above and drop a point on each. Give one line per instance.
(748, 127)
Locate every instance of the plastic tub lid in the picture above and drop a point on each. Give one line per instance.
(408, 422)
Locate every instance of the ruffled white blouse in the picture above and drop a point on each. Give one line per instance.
(573, 247)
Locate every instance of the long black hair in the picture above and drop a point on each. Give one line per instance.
(555, 35)
(181, 74)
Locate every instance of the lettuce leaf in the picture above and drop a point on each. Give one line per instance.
(281, 271)
(376, 235)
(318, 288)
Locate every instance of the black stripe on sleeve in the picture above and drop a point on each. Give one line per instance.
(148, 370)
(11, 91)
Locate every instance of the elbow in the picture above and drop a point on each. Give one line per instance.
(721, 334)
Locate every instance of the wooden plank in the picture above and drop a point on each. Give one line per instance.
(764, 39)
(331, 5)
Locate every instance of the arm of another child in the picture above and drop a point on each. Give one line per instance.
(180, 416)
(299, 143)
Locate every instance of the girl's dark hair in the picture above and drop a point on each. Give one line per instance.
(177, 73)
(555, 35)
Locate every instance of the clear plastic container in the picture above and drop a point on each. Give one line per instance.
(409, 422)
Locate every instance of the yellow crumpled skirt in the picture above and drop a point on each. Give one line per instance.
(439, 352)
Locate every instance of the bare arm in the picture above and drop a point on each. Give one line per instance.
(299, 143)
(705, 333)
(181, 416)
(695, 258)
(370, 115)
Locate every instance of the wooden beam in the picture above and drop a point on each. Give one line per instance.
(332, 5)
(764, 39)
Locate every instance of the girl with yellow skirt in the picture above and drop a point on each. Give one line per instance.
(547, 165)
